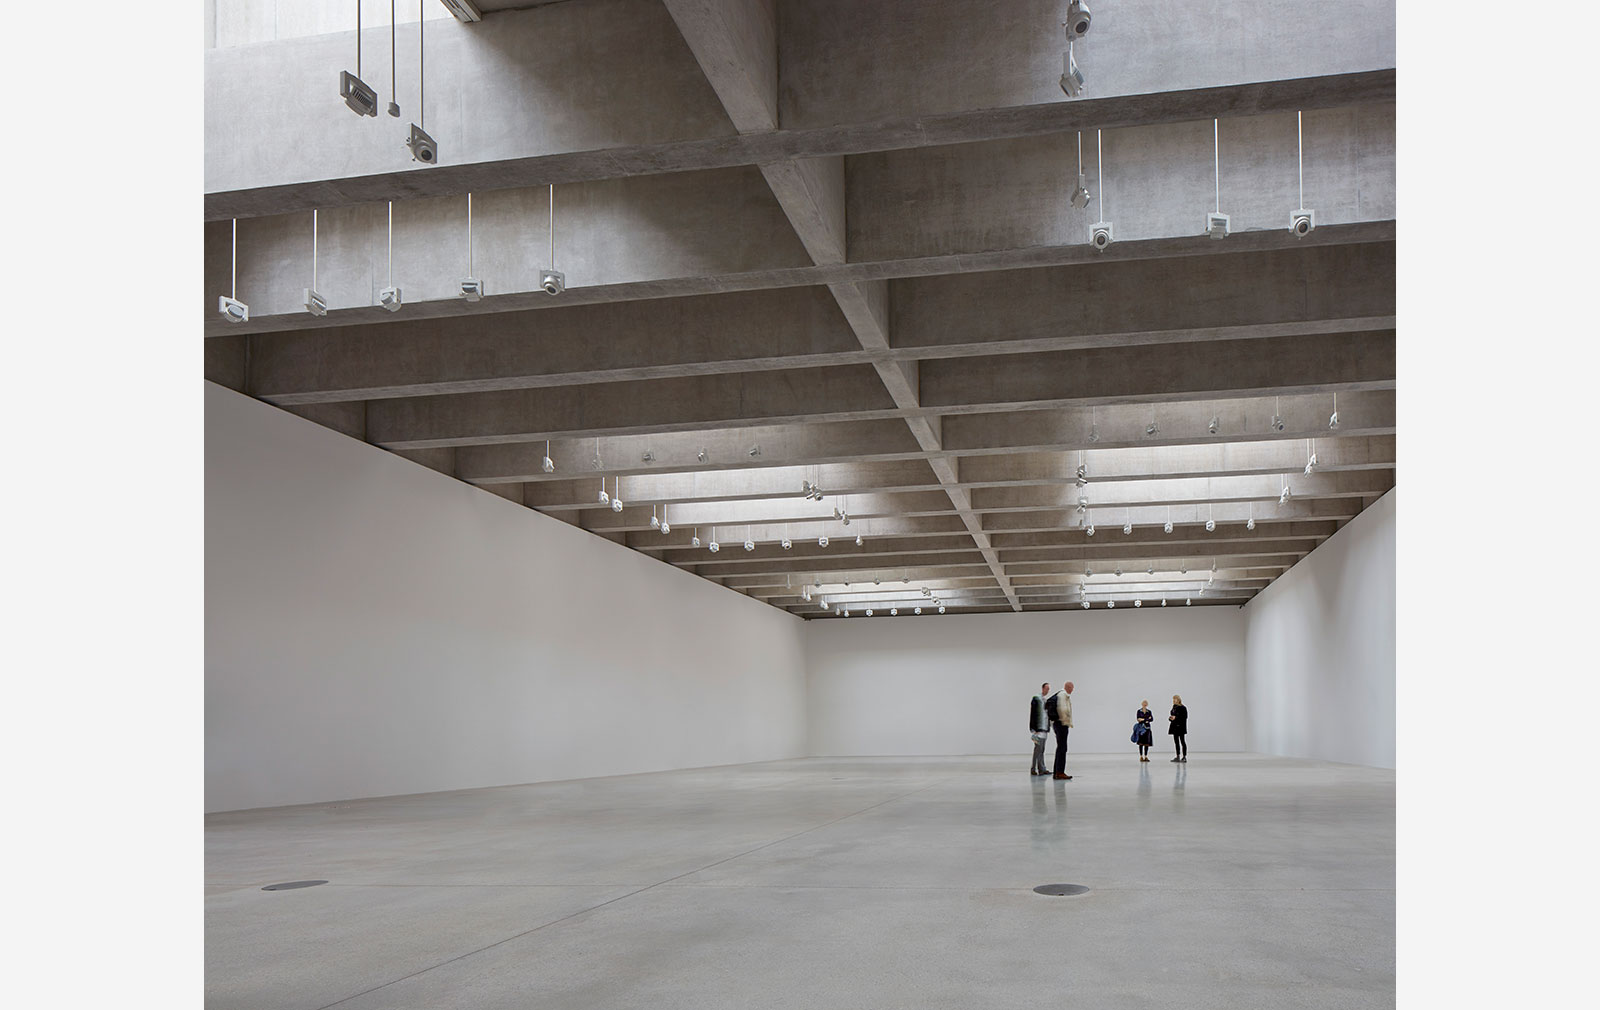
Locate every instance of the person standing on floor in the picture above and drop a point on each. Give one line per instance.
(1142, 719)
(1178, 726)
(1038, 729)
(1059, 709)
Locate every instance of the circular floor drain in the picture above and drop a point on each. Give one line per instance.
(291, 885)
(1061, 889)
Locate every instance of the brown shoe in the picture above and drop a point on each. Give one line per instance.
(1063, 776)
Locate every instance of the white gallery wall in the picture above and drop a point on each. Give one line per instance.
(1319, 649)
(960, 683)
(376, 628)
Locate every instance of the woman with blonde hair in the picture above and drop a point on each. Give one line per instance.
(1178, 727)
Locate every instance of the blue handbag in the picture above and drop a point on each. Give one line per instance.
(1138, 728)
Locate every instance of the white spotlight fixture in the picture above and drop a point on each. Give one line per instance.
(1277, 418)
(357, 94)
(869, 611)
(858, 540)
(894, 611)
(1284, 495)
(1333, 419)
(926, 591)
(314, 302)
(905, 579)
(665, 527)
(1213, 424)
(1100, 231)
(1163, 601)
(1151, 430)
(552, 281)
(694, 541)
(1082, 477)
(616, 494)
(1166, 527)
(547, 464)
(1127, 528)
(941, 608)
(749, 544)
(1117, 572)
(1311, 461)
(616, 504)
(786, 543)
(1080, 196)
(1250, 523)
(1111, 604)
(824, 604)
(389, 297)
(822, 541)
(1188, 603)
(917, 610)
(1211, 523)
(1150, 569)
(1089, 530)
(471, 288)
(1301, 221)
(605, 499)
(655, 521)
(1071, 76)
(232, 309)
(1086, 604)
(715, 547)
(1137, 604)
(845, 518)
(1077, 19)
(876, 580)
(1217, 221)
(422, 147)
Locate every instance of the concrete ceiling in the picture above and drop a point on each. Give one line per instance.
(815, 241)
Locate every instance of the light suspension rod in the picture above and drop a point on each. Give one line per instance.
(422, 79)
(552, 226)
(1216, 155)
(391, 243)
(469, 265)
(1300, 143)
(233, 283)
(313, 249)
(1100, 161)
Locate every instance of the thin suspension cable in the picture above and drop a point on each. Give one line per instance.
(313, 249)
(1216, 154)
(552, 226)
(1100, 159)
(1300, 143)
(1080, 152)
(233, 284)
(469, 260)
(422, 78)
(391, 243)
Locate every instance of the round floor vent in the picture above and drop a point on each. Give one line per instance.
(291, 885)
(1060, 889)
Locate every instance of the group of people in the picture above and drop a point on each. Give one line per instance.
(1053, 712)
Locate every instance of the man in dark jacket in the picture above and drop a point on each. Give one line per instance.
(1059, 708)
(1039, 729)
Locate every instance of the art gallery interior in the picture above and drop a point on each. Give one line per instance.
(656, 449)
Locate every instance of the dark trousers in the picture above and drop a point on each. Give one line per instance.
(1179, 745)
(1061, 729)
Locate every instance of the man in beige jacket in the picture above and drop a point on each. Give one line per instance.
(1059, 708)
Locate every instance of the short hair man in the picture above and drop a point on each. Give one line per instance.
(1039, 729)
(1059, 708)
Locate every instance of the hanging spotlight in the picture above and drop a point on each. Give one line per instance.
(845, 519)
(1137, 604)
(1211, 526)
(749, 545)
(715, 547)
(875, 580)
(824, 604)
(547, 464)
(314, 302)
(1301, 221)
(1100, 231)
(1077, 19)
(894, 611)
(917, 610)
(941, 608)
(1311, 462)
(1083, 475)
(1080, 196)
(605, 499)
(858, 540)
(844, 611)
(1166, 527)
(655, 522)
(357, 94)
(389, 297)
(1188, 602)
(553, 281)
(665, 527)
(1071, 76)
(1217, 221)
(822, 541)
(1150, 570)
(869, 611)
(1086, 604)
(616, 504)
(1118, 572)
(1277, 418)
(926, 591)
(1333, 419)
(905, 579)
(695, 540)
(1283, 496)
(233, 310)
(1111, 604)
(1250, 523)
(786, 543)
(1089, 530)
(422, 146)
(1163, 601)
(1213, 424)
(1127, 528)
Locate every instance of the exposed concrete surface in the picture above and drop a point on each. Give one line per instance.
(1231, 881)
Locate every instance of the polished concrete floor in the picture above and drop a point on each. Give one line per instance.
(1231, 881)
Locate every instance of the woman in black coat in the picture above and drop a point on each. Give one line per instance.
(1178, 726)
(1142, 719)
